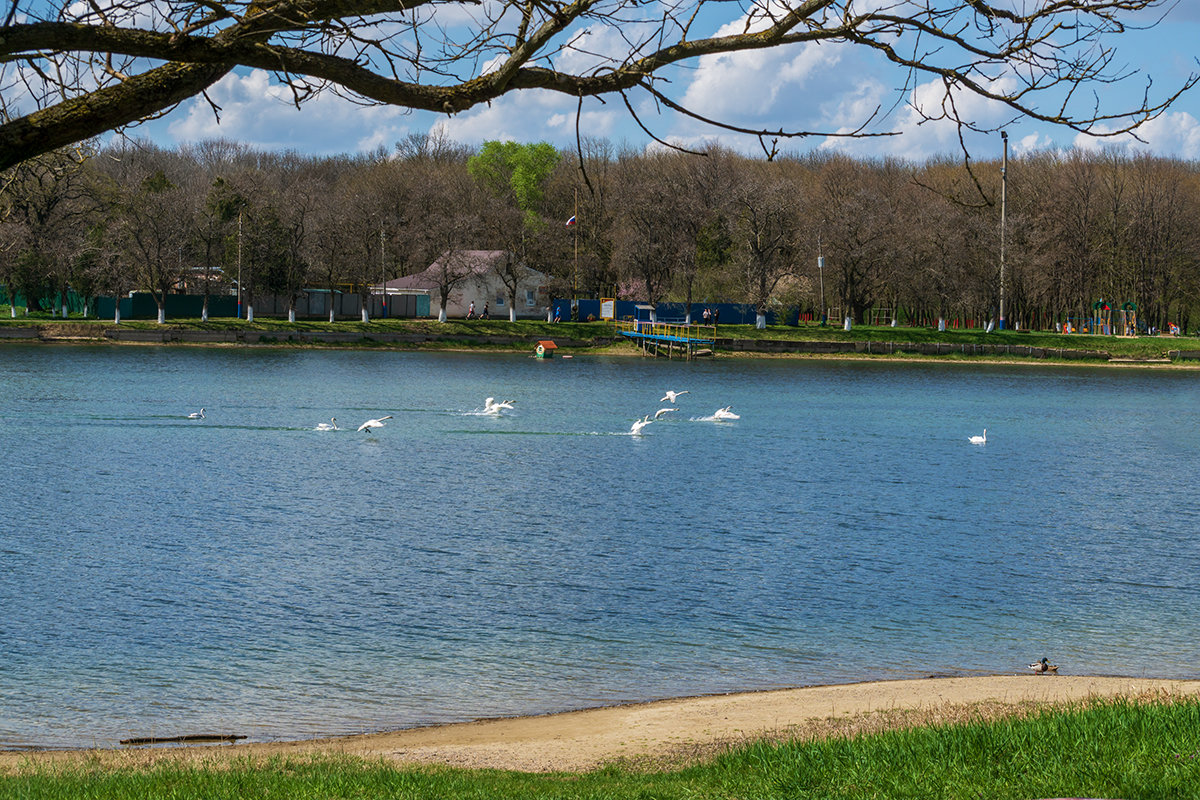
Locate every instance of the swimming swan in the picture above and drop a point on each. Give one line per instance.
(326, 426)
(196, 414)
(636, 430)
(979, 439)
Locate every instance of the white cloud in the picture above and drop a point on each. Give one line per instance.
(530, 116)
(1176, 133)
(923, 133)
(752, 83)
(259, 112)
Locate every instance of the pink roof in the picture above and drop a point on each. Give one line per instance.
(477, 262)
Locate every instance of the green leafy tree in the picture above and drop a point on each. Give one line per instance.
(516, 175)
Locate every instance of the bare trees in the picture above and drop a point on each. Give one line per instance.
(663, 225)
(649, 244)
(765, 234)
(74, 70)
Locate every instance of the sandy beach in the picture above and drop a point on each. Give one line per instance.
(664, 732)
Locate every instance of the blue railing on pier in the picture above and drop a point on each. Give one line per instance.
(689, 338)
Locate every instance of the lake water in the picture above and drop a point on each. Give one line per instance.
(246, 574)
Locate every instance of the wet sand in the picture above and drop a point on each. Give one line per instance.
(664, 732)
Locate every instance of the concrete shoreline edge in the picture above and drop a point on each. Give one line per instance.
(104, 333)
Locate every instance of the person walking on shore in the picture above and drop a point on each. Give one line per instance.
(471, 310)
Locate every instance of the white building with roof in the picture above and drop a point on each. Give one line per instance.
(477, 277)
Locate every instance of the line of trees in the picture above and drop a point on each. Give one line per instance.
(652, 225)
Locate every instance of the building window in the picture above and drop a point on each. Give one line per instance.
(499, 300)
(530, 300)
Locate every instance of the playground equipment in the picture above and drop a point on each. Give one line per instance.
(1105, 320)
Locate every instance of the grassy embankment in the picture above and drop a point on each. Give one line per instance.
(1124, 748)
(599, 335)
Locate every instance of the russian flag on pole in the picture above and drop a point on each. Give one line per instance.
(571, 221)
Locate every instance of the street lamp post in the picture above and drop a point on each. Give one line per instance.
(239, 260)
(1003, 213)
(821, 275)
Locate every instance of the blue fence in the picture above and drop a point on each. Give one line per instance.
(728, 313)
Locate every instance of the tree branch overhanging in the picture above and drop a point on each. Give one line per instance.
(83, 69)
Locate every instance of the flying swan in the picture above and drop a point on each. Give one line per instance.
(373, 423)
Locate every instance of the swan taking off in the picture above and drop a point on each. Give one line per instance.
(979, 439)
(725, 413)
(373, 423)
(490, 406)
(662, 411)
(196, 414)
(329, 426)
(636, 430)
(669, 397)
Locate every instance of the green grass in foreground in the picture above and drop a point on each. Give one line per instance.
(1111, 749)
(462, 332)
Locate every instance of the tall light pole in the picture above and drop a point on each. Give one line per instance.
(821, 273)
(239, 259)
(382, 272)
(1003, 213)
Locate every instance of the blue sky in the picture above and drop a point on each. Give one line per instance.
(812, 87)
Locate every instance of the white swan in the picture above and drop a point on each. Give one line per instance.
(662, 411)
(327, 426)
(196, 414)
(670, 396)
(636, 430)
(373, 423)
(979, 439)
(490, 406)
(725, 413)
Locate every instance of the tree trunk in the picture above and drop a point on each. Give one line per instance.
(512, 313)
(162, 313)
(760, 321)
(442, 314)
(204, 311)
(117, 311)
(331, 309)
(366, 315)
(291, 315)
(249, 312)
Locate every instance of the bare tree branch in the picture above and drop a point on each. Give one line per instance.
(83, 68)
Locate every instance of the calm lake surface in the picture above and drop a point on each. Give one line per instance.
(247, 574)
